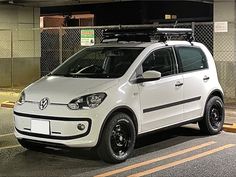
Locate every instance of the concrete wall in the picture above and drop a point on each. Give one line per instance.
(20, 49)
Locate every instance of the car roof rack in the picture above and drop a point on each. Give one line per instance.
(169, 33)
(146, 34)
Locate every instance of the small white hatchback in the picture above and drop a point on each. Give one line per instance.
(106, 95)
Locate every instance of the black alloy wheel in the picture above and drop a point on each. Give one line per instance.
(121, 138)
(214, 116)
(118, 139)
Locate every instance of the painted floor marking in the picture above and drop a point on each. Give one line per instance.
(9, 134)
(175, 163)
(10, 147)
(144, 163)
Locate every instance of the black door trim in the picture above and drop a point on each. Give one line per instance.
(171, 104)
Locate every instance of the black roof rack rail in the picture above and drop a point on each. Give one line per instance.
(168, 33)
(145, 34)
(129, 34)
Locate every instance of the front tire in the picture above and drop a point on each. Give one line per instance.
(118, 139)
(214, 116)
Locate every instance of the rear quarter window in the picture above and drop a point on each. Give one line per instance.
(191, 59)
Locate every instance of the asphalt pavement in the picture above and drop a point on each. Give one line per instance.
(182, 151)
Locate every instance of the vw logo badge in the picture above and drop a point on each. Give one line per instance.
(43, 103)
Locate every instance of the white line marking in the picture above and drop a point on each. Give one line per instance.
(10, 147)
(9, 134)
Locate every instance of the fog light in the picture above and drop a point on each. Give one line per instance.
(81, 127)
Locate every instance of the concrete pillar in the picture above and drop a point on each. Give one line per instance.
(20, 49)
(225, 46)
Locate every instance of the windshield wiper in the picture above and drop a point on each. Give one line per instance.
(86, 75)
(92, 75)
(61, 75)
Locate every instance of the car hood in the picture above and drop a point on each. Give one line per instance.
(63, 89)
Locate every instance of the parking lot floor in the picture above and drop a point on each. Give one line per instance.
(182, 151)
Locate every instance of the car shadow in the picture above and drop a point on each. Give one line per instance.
(84, 160)
(147, 143)
(163, 139)
(53, 159)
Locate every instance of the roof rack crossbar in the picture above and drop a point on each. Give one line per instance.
(145, 34)
(175, 30)
(168, 33)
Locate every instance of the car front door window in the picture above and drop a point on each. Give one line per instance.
(160, 60)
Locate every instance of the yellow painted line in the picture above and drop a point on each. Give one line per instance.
(9, 134)
(175, 163)
(130, 167)
(230, 128)
(8, 104)
(9, 147)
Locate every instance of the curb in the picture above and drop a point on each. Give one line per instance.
(8, 104)
(230, 127)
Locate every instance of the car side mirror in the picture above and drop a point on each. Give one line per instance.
(149, 76)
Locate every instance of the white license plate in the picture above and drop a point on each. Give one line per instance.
(40, 126)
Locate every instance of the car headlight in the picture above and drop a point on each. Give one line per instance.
(21, 99)
(87, 102)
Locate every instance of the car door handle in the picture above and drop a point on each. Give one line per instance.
(179, 84)
(206, 78)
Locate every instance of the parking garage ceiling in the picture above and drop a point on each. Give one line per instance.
(47, 3)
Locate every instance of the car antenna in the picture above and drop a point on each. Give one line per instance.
(176, 23)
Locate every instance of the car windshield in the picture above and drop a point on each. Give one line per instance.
(99, 62)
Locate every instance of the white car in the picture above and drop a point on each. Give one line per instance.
(106, 95)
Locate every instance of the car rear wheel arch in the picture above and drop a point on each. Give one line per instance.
(215, 93)
(214, 116)
(212, 94)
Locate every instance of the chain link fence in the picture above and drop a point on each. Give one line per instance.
(224, 52)
(58, 44)
(50, 50)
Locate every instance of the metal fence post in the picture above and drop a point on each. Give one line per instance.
(193, 28)
(60, 45)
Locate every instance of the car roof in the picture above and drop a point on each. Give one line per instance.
(143, 44)
(125, 44)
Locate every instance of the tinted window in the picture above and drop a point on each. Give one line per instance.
(161, 60)
(191, 59)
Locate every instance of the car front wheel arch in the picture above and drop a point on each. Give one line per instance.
(120, 109)
(118, 138)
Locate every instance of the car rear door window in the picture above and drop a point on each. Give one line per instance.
(191, 59)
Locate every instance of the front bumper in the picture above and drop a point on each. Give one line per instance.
(62, 130)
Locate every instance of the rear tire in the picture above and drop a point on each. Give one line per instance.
(117, 140)
(214, 116)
